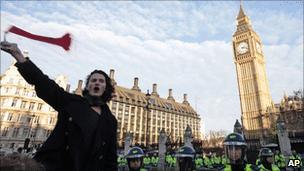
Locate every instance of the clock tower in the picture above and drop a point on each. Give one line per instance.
(252, 81)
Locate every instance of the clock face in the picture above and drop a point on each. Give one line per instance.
(258, 47)
(242, 48)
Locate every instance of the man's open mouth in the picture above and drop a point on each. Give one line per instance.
(96, 88)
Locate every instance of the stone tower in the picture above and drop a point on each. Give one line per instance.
(251, 76)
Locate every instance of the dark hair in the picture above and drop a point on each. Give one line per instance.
(108, 93)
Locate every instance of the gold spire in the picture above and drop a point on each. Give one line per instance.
(241, 12)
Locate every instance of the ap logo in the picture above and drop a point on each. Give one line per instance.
(294, 162)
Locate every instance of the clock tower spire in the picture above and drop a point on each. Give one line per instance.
(251, 76)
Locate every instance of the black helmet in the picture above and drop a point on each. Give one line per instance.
(235, 148)
(235, 139)
(265, 152)
(185, 151)
(135, 152)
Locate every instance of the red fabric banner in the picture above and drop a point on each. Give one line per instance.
(64, 41)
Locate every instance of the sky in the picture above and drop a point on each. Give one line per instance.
(183, 45)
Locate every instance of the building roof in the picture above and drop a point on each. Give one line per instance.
(137, 97)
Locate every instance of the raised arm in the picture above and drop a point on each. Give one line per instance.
(45, 88)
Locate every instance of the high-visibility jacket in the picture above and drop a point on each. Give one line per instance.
(147, 161)
(248, 167)
(280, 160)
(199, 162)
(224, 160)
(273, 168)
(207, 162)
(258, 162)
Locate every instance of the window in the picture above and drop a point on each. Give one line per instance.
(32, 105)
(47, 133)
(7, 89)
(17, 91)
(25, 132)
(51, 120)
(23, 104)
(15, 132)
(36, 119)
(33, 133)
(34, 94)
(14, 103)
(9, 117)
(25, 92)
(39, 107)
(5, 131)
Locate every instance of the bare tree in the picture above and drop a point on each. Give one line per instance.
(214, 139)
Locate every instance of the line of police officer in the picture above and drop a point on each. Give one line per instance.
(235, 149)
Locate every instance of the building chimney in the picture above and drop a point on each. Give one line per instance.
(79, 88)
(185, 100)
(154, 90)
(67, 89)
(170, 97)
(135, 85)
(112, 76)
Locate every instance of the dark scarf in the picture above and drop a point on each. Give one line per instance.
(93, 100)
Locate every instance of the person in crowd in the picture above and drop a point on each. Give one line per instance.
(135, 159)
(235, 150)
(267, 160)
(185, 158)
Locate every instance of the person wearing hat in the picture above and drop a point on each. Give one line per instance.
(185, 158)
(235, 150)
(267, 160)
(135, 159)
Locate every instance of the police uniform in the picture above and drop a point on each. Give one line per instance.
(264, 164)
(234, 143)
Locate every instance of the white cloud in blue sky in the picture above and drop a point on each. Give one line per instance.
(181, 45)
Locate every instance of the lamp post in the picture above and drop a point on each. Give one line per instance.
(147, 117)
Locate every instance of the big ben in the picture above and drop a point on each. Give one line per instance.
(251, 77)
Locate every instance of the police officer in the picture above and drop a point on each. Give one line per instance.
(235, 149)
(267, 160)
(185, 158)
(135, 159)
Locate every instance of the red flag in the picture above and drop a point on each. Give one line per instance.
(64, 41)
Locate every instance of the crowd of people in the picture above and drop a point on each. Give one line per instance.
(186, 159)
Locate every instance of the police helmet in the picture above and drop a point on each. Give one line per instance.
(185, 151)
(235, 148)
(265, 152)
(235, 139)
(135, 152)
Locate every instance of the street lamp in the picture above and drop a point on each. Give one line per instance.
(148, 96)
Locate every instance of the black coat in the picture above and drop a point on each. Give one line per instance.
(73, 144)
